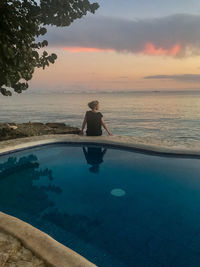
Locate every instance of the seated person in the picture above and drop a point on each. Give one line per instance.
(94, 120)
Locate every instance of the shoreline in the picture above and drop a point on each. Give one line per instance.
(38, 131)
(10, 131)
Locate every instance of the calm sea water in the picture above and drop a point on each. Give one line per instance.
(163, 115)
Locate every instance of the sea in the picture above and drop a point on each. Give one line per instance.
(162, 115)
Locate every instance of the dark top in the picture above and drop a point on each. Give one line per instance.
(93, 123)
(94, 155)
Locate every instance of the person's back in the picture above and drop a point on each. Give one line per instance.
(94, 120)
(93, 123)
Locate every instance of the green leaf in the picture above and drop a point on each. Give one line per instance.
(45, 53)
(54, 56)
(35, 54)
(44, 43)
(42, 31)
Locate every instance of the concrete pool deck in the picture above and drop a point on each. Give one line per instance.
(142, 144)
(42, 245)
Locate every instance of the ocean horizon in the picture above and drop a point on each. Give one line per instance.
(163, 115)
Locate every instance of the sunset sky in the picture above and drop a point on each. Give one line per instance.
(127, 45)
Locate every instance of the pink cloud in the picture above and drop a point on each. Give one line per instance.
(151, 49)
(77, 49)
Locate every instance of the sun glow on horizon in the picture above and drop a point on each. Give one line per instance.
(117, 71)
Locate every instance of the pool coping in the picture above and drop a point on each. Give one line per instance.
(52, 252)
(121, 142)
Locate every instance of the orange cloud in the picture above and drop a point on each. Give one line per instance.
(77, 49)
(150, 49)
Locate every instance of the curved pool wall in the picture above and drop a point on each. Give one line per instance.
(26, 233)
(124, 142)
(52, 252)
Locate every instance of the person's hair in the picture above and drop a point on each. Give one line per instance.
(93, 104)
(94, 169)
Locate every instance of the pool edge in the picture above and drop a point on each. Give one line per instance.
(133, 143)
(41, 244)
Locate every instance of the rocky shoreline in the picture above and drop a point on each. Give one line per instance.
(19, 130)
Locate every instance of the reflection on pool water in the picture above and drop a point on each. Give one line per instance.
(118, 192)
(114, 207)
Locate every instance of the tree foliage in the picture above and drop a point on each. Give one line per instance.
(21, 23)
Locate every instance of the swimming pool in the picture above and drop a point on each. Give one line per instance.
(113, 206)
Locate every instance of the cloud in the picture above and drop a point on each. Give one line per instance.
(77, 49)
(182, 77)
(123, 77)
(175, 35)
(150, 49)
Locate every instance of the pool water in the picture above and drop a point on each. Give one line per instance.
(112, 206)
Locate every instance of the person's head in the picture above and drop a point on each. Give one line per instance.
(94, 168)
(94, 105)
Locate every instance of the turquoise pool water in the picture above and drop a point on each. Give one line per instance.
(114, 207)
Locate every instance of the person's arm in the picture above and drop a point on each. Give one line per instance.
(85, 152)
(104, 152)
(83, 125)
(105, 127)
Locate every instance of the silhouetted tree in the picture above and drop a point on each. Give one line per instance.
(18, 191)
(21, 22)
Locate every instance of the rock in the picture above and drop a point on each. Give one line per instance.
(56, 125)
(11, 131)
(36, 123)
(13, 127)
